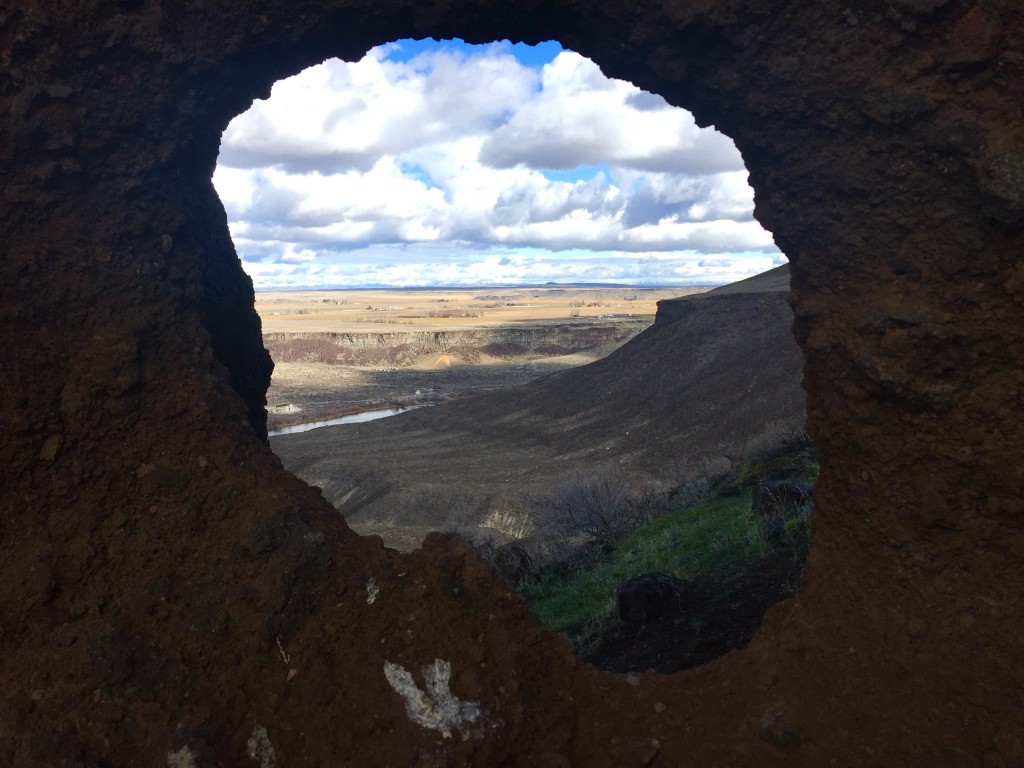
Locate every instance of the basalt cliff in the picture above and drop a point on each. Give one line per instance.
(405, 347)
(170, 595)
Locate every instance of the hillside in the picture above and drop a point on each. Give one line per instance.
(713, 373)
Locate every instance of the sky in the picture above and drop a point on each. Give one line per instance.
(433, 163)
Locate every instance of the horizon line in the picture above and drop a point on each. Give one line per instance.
(463, 287)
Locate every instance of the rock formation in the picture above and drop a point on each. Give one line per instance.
(170, 595)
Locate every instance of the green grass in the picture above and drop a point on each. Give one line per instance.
(715, 536)
(719, 537)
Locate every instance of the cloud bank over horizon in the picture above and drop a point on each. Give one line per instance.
(431, 163)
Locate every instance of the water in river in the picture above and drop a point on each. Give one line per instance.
(355, 418)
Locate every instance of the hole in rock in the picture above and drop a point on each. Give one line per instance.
(490, 230)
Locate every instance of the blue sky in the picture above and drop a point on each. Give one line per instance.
(442, 163)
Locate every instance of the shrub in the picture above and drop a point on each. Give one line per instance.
(601, 508)
(783, 453)
(700, 528)
(692, 492)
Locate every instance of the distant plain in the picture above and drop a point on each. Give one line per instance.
(381, 310)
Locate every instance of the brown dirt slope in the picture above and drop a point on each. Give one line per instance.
(702, 382)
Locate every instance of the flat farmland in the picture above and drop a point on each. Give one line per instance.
(364, 311)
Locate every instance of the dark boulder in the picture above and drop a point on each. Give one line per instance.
(647, 597)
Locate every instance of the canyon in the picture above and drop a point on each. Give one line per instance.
(723, 364)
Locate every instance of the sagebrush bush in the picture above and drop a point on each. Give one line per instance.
(595, 509)
(692, 492)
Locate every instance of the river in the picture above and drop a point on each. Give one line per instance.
(355, 418)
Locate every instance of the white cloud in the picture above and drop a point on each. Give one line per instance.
(293, 256)
(340, 116)
(452, 158)
(392, 265)
(583, 118)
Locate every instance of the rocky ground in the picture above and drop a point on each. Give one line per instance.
(169, 592)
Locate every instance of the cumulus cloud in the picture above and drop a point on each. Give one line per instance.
(580, 117)
(342, 116)
(449, 158)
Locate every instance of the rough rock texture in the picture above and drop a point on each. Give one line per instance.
(162, 575)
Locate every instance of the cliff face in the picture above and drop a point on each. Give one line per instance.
(405, 348)
(169, 592)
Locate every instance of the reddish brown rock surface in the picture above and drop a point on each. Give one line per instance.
(161, 575)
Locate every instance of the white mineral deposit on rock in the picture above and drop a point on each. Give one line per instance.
(259, 748)
(436, 708)
(183, 758)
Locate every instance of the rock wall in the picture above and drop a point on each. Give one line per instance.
(169, 595)
(405, 348)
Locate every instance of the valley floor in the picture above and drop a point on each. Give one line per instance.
(310, 391)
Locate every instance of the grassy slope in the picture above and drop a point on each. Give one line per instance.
(719, 536)
(686, 543)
